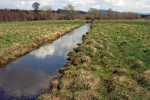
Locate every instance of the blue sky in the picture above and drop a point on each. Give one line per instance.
(142, 6)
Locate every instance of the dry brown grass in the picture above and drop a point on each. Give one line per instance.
(110, 64)
(24, 37)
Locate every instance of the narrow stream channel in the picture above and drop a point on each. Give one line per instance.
(29, 76)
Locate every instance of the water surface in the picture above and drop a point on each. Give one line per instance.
(29, 76)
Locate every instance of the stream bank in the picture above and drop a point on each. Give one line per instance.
(112, 63)
(27, 77)
(19, 38)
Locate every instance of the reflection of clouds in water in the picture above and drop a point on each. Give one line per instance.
(62, 46)
(20, 81)
(43, 52)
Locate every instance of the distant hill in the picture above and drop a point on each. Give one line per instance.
(145, 15)
(106, 11)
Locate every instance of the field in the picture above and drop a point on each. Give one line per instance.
(112, 63)
(19, 38)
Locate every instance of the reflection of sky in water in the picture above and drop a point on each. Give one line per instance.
(21, 81)
(31, 74)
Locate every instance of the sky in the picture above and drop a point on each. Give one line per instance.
(141, 6)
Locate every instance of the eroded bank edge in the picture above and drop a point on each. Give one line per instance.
(3, 63)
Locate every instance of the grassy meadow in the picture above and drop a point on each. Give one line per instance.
(112, 63)
(19, 38)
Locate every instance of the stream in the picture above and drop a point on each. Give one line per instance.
(30, 75)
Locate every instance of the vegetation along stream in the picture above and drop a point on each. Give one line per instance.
(29, 76)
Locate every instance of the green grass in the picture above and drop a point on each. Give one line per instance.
(113, 63)
(16, 38)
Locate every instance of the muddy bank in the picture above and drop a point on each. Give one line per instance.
(16, 51)
(31, 74)
(55, 83)
(102, 67)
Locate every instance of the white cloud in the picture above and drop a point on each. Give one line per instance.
(82, 2)
(119, 5)
(96, 6)
(141, 5)
(116, 2)
(22, 4)
(129, 5)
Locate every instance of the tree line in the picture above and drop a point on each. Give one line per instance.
(66, 13)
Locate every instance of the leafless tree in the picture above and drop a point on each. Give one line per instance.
(131, 15)
(110, 13)
(95, 12)
(46, 8)
(69, 12)
(36, 6)
(46, 12)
